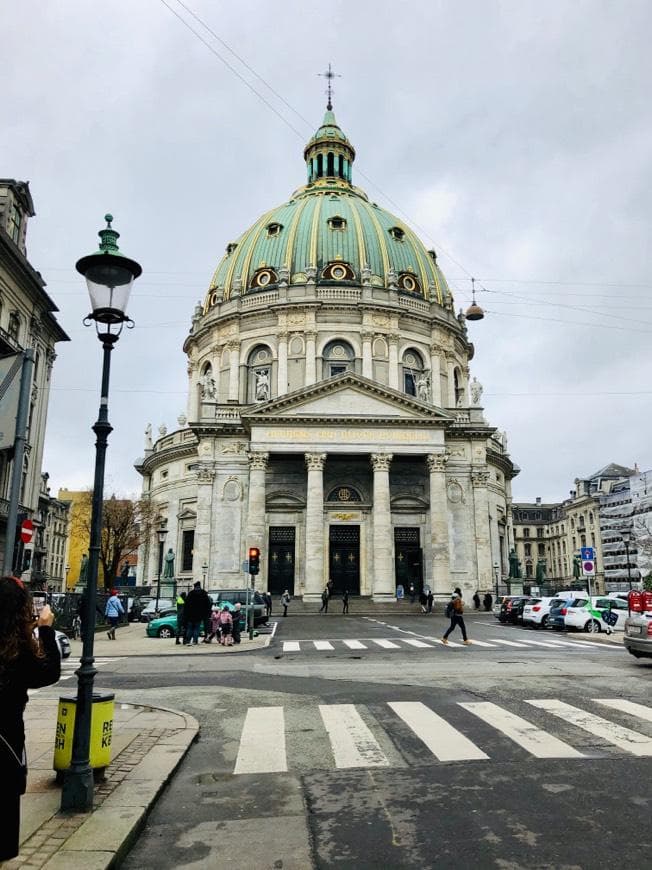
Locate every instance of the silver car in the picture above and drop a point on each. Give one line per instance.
(638, 635)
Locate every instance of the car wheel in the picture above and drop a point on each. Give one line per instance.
(592, 626)
(165, 631)
(544, 622)
(634, 653)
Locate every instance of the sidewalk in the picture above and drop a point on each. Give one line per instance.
(131, 640)
(149, 743)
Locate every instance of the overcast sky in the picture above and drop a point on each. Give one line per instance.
(514, 136)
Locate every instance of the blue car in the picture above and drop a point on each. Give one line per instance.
(557, 613)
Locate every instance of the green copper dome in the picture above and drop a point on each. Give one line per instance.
(328, 233)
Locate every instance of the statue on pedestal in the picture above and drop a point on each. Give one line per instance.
(423, 387)
(168, 571)
(83, 569)
(514, 566)
(476, 389)
(262, 385)
(148, 437)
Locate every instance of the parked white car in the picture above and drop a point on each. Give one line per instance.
(537, 610)
(586, 613)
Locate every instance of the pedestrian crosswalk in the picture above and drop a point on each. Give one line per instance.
(69, 668)
(423, 642)
(361, 736)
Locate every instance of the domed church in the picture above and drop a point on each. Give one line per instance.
(331, 418)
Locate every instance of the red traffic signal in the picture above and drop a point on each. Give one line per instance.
(254, 560)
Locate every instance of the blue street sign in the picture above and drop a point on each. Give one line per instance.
(587, 554)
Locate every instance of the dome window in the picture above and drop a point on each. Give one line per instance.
(409, 283)
(338, 272)
(337, 223)
(397, 233)
(263, 278)
(230, 248)
(274, 229)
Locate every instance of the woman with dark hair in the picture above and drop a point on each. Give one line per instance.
(25, 663)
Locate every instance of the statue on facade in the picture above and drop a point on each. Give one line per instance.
(83, 569)
(124, 574)
(168, 571)
(503, 438)
(423, 387)
(148, 437)
(476, 389)
(207, 384)
(262, 385)
(514, 566)
(162, 430)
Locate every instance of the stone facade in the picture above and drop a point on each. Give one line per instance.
(331, 420)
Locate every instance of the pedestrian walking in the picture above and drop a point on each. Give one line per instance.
(488, 601)
(412, 592)
(181, 624)
(324, 601)
(268, 603)
(285, 600)
(454, 611)
(235, 630)
(423, 601)
(476, 601)
(198, 603)
(345, 602)
(429, 600)
(25, 663)
(330, 586)
(113, 612)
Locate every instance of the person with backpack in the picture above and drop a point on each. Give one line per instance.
(113, 611)
(198, 604)
(454, 611)
(285, 600)
(181, 623)
(324, 601)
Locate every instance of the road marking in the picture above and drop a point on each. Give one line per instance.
(354, 644)
(262, 742)
(385, 644)
(631, 707)
(291, 646)
(536, 742)
(508, 642)
(624, 738)
(323, 644)
(352, 742)
(449, 643)
(482, 643)
(418, 643)
(546, 643)
(445, 742)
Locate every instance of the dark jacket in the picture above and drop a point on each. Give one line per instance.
(198, 606)
(28, 672)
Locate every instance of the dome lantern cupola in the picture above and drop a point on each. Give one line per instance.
(329, 154)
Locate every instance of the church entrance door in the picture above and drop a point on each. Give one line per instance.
(280, 572)
(408, 558)
(344, 559)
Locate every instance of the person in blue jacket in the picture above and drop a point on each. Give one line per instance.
(113, 611)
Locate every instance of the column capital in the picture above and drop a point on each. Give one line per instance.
(436, 461)
(479, 478)
(310, 335)
(435, 350)
(367, 335)
(258, 459)
(450, 355)
(283, 335)
(381, 461)
(233, 344)
(205, 472)
(393, 338)
(315, 461)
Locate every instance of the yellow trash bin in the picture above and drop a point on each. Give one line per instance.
(101, 731)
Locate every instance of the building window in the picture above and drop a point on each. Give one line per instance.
(338, 358)
(397, 233)
(409, 283)
(528, 549)
(528, 569)
(541, 549)
(526, 533)
(414, 382)
(274, 229)
(263, 278)
(539, 533)
(338, 271)
(187, 545)
(15, 221)
(14, 326)
(337, 223)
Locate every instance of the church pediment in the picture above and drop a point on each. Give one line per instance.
(347, 396)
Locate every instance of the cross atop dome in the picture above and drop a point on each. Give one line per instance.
(329, 75)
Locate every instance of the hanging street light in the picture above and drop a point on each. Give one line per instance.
(109, 276)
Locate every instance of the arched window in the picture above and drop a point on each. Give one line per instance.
(340, 171)
(414, 374)
(338, 357)
(14, 326)
(330, 171)
(259, 374)
(459, 389)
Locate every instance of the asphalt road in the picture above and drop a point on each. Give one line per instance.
(354, 742)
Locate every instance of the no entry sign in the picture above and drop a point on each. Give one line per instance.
(26, 531)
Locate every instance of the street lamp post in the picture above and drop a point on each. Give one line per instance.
(161, 533)
(109, 277)
(497, 572)
(204, 571)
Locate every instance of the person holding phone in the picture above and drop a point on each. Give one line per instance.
(25, 663)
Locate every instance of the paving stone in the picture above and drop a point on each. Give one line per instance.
(104, 831)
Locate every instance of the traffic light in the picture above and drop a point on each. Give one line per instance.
(254, 560)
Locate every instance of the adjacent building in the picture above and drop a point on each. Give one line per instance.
(27, 320)
(51, 541)
(333, 420)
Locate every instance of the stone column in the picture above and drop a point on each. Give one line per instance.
(255, 535)
(439, 544)
(435, 376)
(367, 361)
(393, 360)
(384, 585)
(315, 573)
(311, 369)
(480, 479)
(450, 366)
(234, 371)
(202, 543)
(282, 383)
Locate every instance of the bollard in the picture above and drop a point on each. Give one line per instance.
(101, 734)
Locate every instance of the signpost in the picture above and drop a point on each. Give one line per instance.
(27, 531)
(588, 565)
